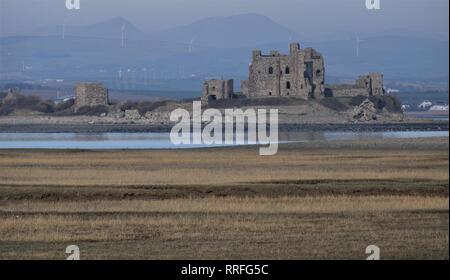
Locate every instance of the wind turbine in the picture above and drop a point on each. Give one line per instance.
(191, 43)
(119, 79)
(64, 30)
(123, 35)
(358, 41)
(145, 78)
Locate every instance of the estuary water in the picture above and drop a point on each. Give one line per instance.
(101, 141)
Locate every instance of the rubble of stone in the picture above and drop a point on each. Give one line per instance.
(132, 114)
(158, 117)
(116, 113)
(366, 111)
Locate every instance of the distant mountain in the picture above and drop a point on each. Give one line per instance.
(397, 57)
(111, 29)
(244, 30)
(221, 46)
(421, 35)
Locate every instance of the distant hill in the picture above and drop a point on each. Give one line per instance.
(397, 57)
(236, 31)
(106, 29)
(213, 47)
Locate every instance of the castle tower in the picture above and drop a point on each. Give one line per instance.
(90, 94)
(294, 48)
(215, 89)
(299, 74)
(376, 81)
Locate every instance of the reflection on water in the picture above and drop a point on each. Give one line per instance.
(162, 140)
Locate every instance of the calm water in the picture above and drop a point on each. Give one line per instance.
(442, 116)
(162, 140)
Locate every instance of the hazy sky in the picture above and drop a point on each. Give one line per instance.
(314, 19)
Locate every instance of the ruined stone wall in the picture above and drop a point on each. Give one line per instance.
(228, 88)
(377, 84)
(345, 90)
(316, 72)
(300, 85)
(373, 82)
(244, 88)
(90, 94)
(366, 85)
(301, 74)
(217, 89)
(287, 77)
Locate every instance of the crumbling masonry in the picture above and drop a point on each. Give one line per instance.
(300, 74)
(217, 89)
(90, 94)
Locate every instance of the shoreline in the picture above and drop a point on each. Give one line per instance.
(161, 128)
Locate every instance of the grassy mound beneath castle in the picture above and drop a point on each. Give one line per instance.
(339, 104)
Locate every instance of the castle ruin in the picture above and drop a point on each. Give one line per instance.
(217, 89)
(367, 85)
(90, 94)
(299, 74)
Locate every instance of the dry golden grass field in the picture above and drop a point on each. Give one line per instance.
(324, 200)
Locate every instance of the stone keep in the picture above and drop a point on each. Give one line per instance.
(373, 83)
(299, 74)
(217, 89)
(90, 94)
